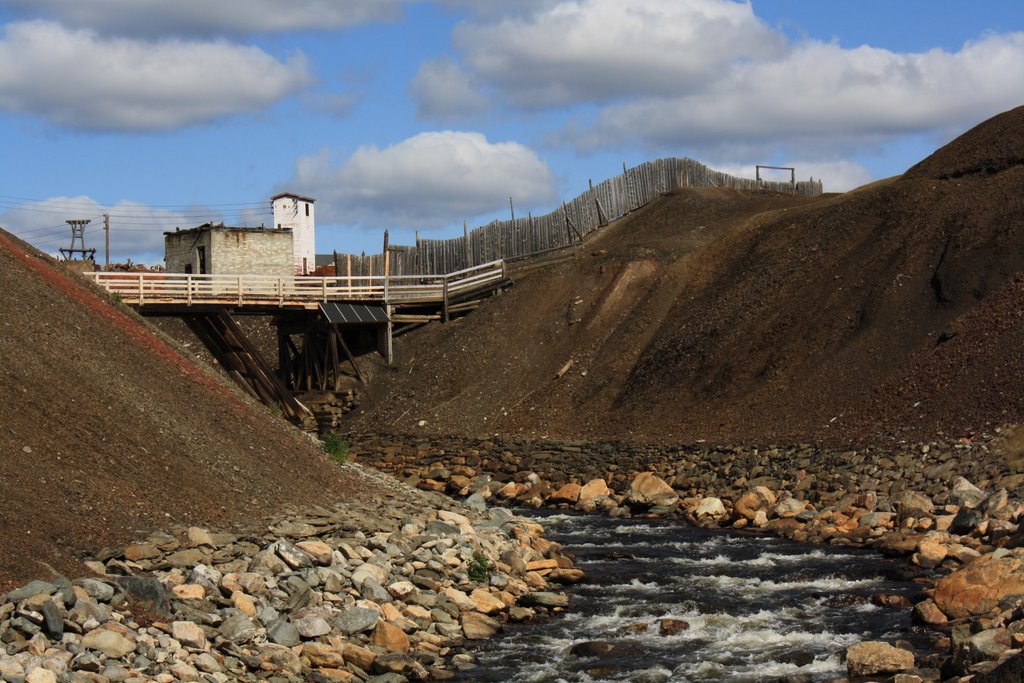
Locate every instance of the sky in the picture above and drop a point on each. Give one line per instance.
(418, 116)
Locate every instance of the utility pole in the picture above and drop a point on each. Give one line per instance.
(106, 229)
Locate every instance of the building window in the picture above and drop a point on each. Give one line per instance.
(307, 209)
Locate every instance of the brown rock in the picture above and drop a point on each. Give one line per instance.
(323, 654)
(569, 494)
(595, 488)
(141, 551)
(647, 489)
(360, 656)
(476, 626)
(757, 499)
(875, 657)
(980, 587)
(670, 627)
(390, 637)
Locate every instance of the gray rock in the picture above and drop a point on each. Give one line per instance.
(53, 619)
(30, 590)
(282, 632)
(238, 628)
(357, 620)
(311, 625)
(96, 589)
(293, 556)
(145, 589)
(545, 599)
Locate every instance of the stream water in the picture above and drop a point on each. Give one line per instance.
(758, 608)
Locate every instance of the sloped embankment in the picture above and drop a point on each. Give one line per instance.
(744, 317)
(107, 431)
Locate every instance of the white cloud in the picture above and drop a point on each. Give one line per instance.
(596, 50)
(77, 79)
(445, 91)
(206, 17)
(136, 230)
(427, 181)
(822, 92)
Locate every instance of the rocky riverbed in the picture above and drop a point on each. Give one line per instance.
(951, 509)
(344, 594)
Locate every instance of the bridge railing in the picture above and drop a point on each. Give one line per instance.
(298, 291)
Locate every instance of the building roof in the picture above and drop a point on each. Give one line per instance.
(210, 227)
(294, 196)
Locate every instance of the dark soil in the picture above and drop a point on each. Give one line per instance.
(108, 431)
(889, 312)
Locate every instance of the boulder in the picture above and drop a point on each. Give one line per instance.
(875, 657)
(965, 494)
(710, 507)
(981, 586)
(595, 488)
(757, 499)
(568, 494)
(648, 490)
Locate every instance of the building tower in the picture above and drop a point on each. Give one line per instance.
(295, 212)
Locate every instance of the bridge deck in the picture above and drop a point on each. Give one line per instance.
(298, 292)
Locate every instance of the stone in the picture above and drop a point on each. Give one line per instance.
(789, 507)
(966, 521)
(141, 551)
(244, 604)
(988, 644)
(980, 587)
(208, 663)
(965, 494)
(914, 504)
(369, 570)
(390, 637)
(238, 628)
(568, 495)
(311, 625)
(323, 654)
(189, 634)
(357, 620)
(187, 558)
(670, 627)
(930, 553)
(31, 589)
(1010, 671)
(321, 553)
(875, 657)
(477, 626)
(41, 675)
(486, 602)
(360, 656)
(146, 589)
(545, 599)
(927, 612)
(96, 589)
(758, 499)
(282, 632)
(647, 489)
(200, 537)
(293, 556)
(112, 645)
(710, 507)
(189, 591)
(595, 488)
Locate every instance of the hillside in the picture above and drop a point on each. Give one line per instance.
(107, 431)
(888, 312)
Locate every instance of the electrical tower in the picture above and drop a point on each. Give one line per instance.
(78, 233)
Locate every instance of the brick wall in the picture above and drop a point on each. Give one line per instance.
(231, 251)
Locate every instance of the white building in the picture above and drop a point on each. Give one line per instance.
(295, 212)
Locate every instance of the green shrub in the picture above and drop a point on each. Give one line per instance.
(479, 569)
(336, 448)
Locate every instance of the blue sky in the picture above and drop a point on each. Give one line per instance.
(421, 115)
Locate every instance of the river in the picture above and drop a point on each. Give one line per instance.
(756, 608)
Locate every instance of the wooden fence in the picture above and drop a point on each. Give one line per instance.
(533, 235)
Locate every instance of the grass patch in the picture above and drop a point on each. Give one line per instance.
(336, 448)
(479, 569)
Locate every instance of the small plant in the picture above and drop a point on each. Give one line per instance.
(336, 448)
(275, 409)
(479, 569)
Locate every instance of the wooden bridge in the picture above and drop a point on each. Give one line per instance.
(320, 311)
(267, 293)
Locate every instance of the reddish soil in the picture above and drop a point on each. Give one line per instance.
(889, 312)
(108, 431)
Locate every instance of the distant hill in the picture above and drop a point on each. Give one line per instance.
(892, 311)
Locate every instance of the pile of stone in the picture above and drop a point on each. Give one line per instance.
(963, 536)
(310, 597)
(329, 406)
